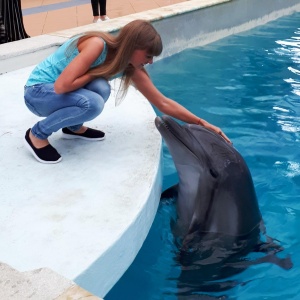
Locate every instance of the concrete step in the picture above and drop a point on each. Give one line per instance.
(39, 284)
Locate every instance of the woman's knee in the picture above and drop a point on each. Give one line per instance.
(98, 105)
(101, 87)
(93, 106)
(106, 89)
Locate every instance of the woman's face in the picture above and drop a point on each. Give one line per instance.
(140, 58)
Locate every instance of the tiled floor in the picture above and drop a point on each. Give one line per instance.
(45, 16)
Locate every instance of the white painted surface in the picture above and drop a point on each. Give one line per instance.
(68, 215)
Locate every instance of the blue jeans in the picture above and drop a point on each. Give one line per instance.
(65, 110)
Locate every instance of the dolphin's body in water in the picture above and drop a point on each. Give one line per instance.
(218, 218)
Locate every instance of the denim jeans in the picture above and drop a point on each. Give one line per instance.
(65, 110)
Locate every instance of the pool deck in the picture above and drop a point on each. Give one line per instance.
(46, 16)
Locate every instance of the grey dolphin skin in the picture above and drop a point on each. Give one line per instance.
(218, 218)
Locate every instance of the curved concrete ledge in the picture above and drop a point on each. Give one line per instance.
(90, 213)
(87, 217)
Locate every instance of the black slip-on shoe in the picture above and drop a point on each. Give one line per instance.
(90, 134)
(45, 155)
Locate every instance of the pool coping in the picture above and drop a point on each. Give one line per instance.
(37, 48)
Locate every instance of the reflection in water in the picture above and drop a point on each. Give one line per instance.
(290, 49)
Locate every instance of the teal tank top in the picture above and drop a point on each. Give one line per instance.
(49, 69)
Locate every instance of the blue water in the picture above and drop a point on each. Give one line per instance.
(249, 85)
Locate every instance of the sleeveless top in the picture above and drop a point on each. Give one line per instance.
(49, 69)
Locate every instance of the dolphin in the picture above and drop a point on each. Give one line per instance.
(218, 217)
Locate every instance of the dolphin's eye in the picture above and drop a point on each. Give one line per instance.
(213, 173)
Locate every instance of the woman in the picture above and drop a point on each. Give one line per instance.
(71, 86)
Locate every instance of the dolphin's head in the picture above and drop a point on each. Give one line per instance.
(194, 145)
(215, 192)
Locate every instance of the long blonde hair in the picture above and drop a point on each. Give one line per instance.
(136, 35)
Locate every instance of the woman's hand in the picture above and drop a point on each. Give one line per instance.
(218, 131)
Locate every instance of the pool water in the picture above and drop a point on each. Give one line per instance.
(249, 85)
